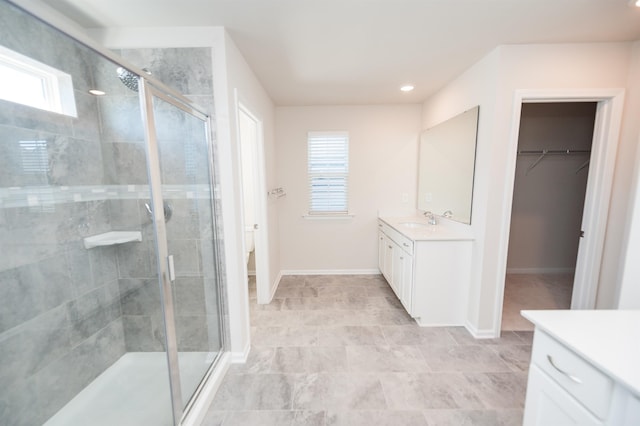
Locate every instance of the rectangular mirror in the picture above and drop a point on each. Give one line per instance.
(446, 166)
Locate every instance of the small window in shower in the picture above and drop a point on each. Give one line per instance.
(26, 81)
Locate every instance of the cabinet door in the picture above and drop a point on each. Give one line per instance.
(387, 257)
(381, 252)
(548, 404)
(406, 283)
(398, 257)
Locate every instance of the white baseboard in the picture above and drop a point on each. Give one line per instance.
(330, 272)
(274, 286)
(420, 324)
(241, 357)
(201, 405)
(540, 270)
(480, 333)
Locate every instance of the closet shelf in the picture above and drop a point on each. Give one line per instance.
(112, 238)
(543, 152)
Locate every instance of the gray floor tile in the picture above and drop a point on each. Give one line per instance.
(377, 418)
(499, 390)
(350, 336)
(310, 360)
(274, 418)
(283, 292)
(374, 359)
(459, 358)
(310, 303)
(214, 418)
(285, 336)
(341, 350)
(473, 417)
(419, 391)
(342, 291)
(423, 336)
(258, 361)
(517, 357)
(334, 317)
(275, 318)
(338, 392)
(463, 337)
(254, 392)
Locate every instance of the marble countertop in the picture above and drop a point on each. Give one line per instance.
(445, 230)
(608, 339)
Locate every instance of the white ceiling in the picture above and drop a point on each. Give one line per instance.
(313, 52)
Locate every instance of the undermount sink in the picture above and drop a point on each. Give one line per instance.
(414, 225)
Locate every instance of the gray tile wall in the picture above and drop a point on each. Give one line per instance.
(67, 313)
(60, 312)
(184, 161)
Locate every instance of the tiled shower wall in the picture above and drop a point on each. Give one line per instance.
(184, 162)
(67, 313)
(60, 315)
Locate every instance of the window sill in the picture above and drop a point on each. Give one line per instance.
(336, 216)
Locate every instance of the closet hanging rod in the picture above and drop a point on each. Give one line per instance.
(554, 151)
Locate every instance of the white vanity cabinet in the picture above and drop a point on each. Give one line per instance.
(395, 261)
(428, 268)
(584, 369)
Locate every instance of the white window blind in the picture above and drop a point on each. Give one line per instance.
(328, 166)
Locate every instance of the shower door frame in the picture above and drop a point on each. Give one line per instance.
(147, 91)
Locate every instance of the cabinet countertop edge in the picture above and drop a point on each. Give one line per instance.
(443, 231)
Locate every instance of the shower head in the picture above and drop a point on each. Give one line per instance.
(130, 79)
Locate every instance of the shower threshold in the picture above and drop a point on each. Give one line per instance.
(134, 391)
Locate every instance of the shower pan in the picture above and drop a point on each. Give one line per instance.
(111, 309)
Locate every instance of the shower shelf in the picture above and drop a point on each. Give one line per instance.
(112, 238)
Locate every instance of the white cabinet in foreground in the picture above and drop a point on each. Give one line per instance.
(584, 369)
(428, 269)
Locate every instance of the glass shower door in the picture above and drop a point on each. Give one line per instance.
(184, 200)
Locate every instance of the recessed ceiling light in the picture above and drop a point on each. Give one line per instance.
(635, 3)
(408, 87)
(97, 92)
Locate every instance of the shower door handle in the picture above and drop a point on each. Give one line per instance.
(171, 268)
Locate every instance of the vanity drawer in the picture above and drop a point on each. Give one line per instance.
(582, 380)
(404, 242)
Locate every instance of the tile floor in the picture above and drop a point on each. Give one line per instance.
(340, 350)
(533, 291)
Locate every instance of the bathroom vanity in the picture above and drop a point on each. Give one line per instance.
(427, 266)
(584, 368)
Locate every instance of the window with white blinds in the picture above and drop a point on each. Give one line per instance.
(328, 166)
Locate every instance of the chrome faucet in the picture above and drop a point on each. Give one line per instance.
(448, 214)
(432, 218)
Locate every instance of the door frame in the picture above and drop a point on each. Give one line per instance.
(261, 234)
(610, 103)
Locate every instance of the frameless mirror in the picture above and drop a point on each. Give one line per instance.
(446, 165)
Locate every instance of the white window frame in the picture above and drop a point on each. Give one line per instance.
(57, 86)
(332, 146)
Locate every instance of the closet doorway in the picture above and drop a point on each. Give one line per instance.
(552, 169)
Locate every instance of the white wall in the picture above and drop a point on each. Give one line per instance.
(628, 296)
(492, 84)
(383, 148)
(548, 200)
(240, 84)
